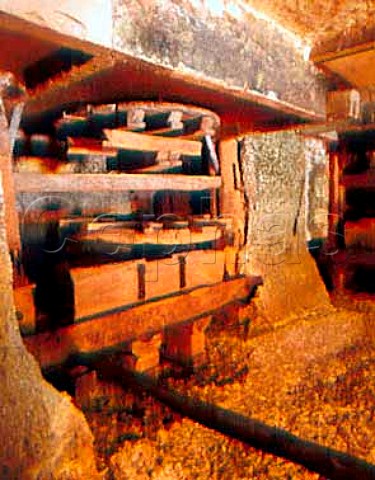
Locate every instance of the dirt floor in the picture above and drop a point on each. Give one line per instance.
(314, 377)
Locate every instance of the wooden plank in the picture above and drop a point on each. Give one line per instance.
(361, 180)
(197, 135)
(138, 141)
(70, 119)
(167, 132)
(118, 282)
(159, 167)
(103, 109)
(84, 146)
(348, 258)
(360, 234)
(118, 327)
(85, 182)
(335, 127)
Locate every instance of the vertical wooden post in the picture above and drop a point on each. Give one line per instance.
(182, 270)
(141, 270)
(213, 203)
(231, 197)
(334, 210)
(228, 152)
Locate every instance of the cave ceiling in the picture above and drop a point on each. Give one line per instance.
(321, 21)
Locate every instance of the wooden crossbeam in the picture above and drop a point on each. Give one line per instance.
(112, 330)
(119, 138)
(77, 182)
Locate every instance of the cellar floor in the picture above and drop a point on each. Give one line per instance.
(313, 377)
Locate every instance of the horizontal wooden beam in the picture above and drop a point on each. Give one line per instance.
(347, 258)
(167, 131)
(198, 135)
(70, 120)
(97, 182)
(114, 329)
(159, 167)
(335, 126)
(362, 180)
(83, 146)
(138, 141)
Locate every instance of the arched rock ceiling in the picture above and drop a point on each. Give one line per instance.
(341, 34)
(319, 21)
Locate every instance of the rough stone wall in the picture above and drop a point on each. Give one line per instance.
(245, 52)
(43, 435)
(6, 169)
(274, 167)
(87, 19)
(274, 174)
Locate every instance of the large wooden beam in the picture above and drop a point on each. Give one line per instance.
(118, 327)
(108, 182)
(139, 141)
(161, 277)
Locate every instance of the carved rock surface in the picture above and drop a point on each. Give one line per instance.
(44, 436)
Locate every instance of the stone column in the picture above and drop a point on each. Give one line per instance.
(274, 166)
(6, 168)
(43, 434)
